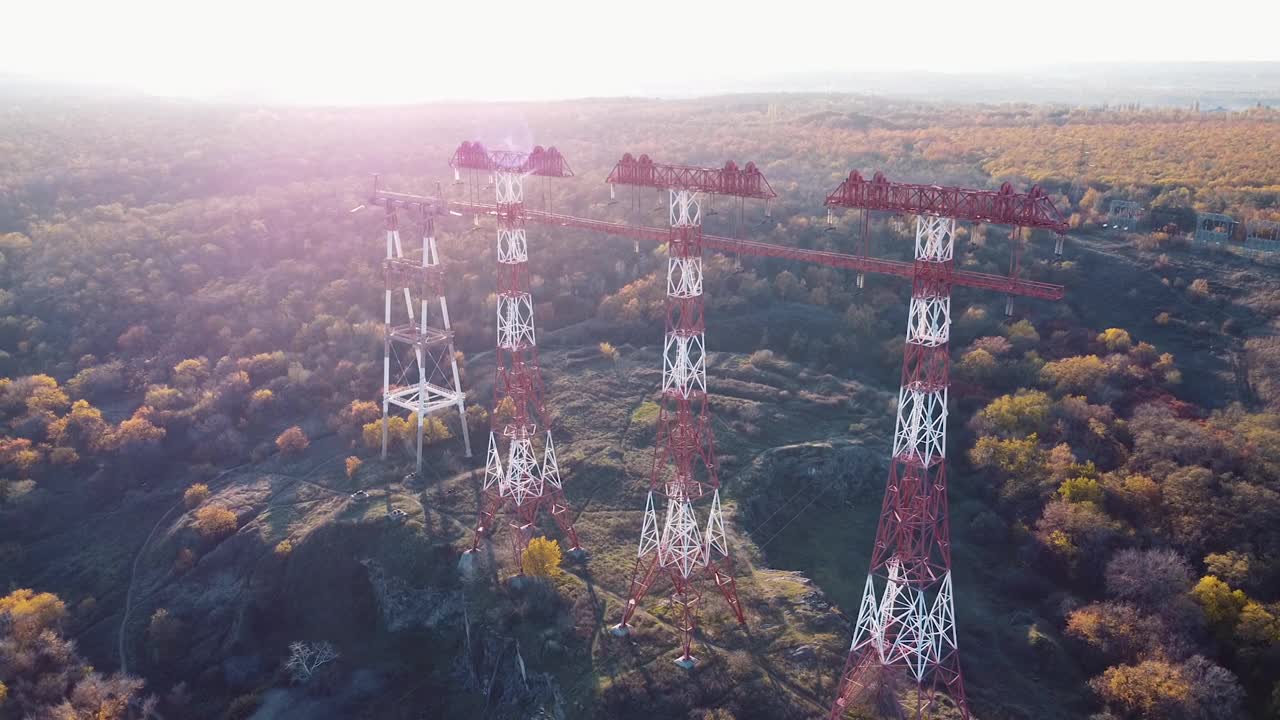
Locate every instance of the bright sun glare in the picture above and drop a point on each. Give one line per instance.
(407, 51)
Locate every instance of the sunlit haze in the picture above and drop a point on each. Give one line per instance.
(395, 51)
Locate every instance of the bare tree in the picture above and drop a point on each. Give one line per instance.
(1148, 577)
(306, 659)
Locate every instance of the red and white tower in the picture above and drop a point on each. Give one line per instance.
(515, 477)
(906, 620)
(683, 545)
(419, 365)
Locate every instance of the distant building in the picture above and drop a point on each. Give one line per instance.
(1214, 228)
(1262, 236)
(1124, 215)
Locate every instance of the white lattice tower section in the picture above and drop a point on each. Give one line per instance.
(420, 368)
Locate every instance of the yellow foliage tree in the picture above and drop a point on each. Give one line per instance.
(1081, 374)
(292, 441)
(1017, 415)
(541, 558)
(505, 411)
(398, 429)
(83, 428)
(137, 432)
(195, 495)
(434, 430)
(213, 522)
(1081, 489)
(608, 351)
(261, 401)
(190, 372)
(353, 466)
(1152, 689)
(1115, 339)
(31, 613)
(1220, 603)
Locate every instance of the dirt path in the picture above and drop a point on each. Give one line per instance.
(167, 517)
(137, 558)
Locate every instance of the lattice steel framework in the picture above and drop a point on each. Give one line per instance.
(899, 626)
(419, 366)
(684, 471)
(523, 482)
(906, 619)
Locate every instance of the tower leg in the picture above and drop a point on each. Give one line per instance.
(687, 598)
(421, 421)
(641, 579)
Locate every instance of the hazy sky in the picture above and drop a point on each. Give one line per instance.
(427, 49)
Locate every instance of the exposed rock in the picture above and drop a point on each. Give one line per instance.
(404, 607)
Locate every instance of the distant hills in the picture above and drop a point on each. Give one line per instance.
(1214, 85)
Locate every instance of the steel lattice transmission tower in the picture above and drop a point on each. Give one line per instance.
(682, 545)
(419, 365)
(515, 477)
(906, 620)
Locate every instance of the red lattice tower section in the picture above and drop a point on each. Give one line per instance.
(684, 472)
(515, 477)
(906, 619)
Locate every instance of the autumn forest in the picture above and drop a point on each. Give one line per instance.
(191, 352)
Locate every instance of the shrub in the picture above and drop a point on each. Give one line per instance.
(184, 561)
(195, 495)
(284, 548)
(243, 707)
(164, 632)
(214, 522)
(353, 466)
(764, 359)
(541, 558)
(1199, 288)
(608, 351)
(1115, 340)
(64, 456)
(292, 441)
